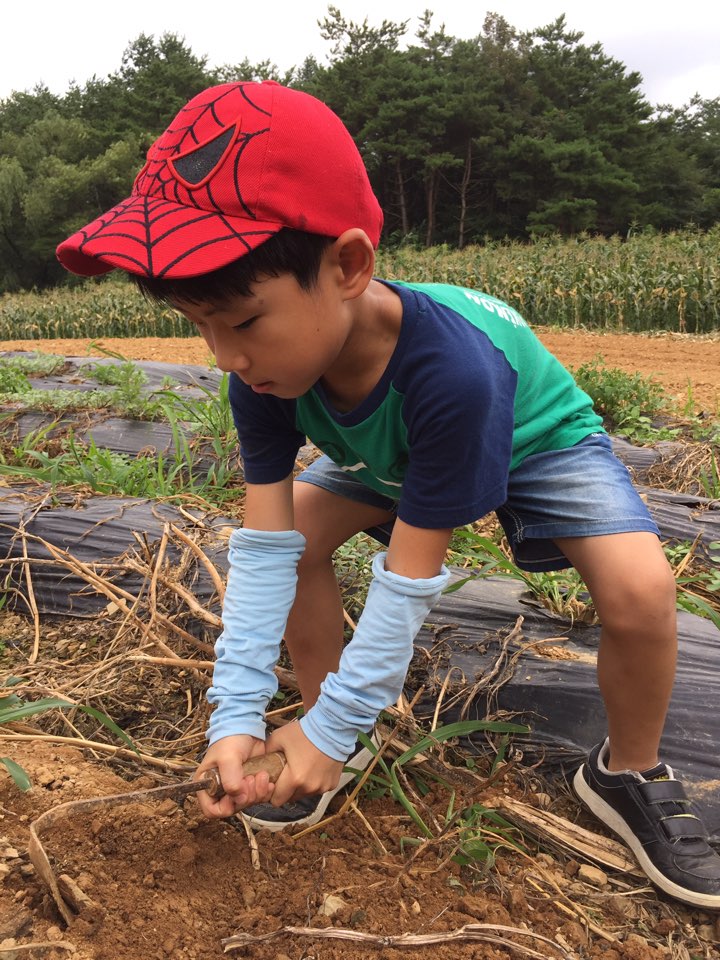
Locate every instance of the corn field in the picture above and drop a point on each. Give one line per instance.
(661, 282)
(646, 282)
(106, 308)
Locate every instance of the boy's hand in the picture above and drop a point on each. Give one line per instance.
(308, 769)
(228, 755)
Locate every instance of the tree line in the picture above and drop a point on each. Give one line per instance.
(507, 135)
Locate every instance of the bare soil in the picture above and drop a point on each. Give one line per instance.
(165, 883)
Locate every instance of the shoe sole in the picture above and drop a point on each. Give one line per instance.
(611, 818)
(362, 759)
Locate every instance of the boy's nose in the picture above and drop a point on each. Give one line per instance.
(230, 360)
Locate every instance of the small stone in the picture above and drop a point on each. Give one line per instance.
(545, 859)
(636, 939)
(415, 907)
(663, 927)
(4, 871)
(167, 807)
(9, 853)
(331, 905)
(706, 932)
(27, 870)
(543, 800)
(53, 933)
(592, 875)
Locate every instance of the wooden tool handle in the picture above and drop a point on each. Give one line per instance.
(273, 763)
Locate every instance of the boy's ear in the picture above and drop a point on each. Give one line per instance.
(355, 255)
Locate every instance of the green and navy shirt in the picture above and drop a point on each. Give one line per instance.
(468, 393)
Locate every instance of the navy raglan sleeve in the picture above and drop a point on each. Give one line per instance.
(269, 439)
(459, 411)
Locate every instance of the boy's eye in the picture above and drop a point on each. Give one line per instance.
(245, 324)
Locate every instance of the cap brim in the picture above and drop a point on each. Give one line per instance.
(152, 237)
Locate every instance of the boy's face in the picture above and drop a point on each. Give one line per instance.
(282, 339)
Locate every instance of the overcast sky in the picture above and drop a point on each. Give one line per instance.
(675, 46)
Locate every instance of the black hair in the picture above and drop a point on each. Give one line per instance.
(288, 251)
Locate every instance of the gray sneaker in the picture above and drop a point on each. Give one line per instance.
(652, 814)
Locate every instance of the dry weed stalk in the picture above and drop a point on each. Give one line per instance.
(681, 471)
(485, 932)
(146, 628)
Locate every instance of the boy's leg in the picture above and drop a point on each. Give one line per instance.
(577, 506)
(623, 781)
(633, 589)
(314, 634)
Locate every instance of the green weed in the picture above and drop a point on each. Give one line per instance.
(628, 402)
(710, 478)
(353, 568)
(35, 364)
(14, 371)
(13, 708)
(202, 463)
(563, 592)
(694, 579)
(59, 401)
(13, 380)
(476, 831)
(107, 472)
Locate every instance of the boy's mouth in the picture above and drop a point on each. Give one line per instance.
(262, 387)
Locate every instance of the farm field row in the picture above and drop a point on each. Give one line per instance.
(685, 365)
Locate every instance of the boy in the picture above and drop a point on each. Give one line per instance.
(433, 405)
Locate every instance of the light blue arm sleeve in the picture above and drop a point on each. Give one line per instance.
(260, 592)
(374, 664)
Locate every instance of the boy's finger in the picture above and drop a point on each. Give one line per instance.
(284, 788)
(216, 809)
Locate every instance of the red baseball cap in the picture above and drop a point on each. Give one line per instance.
(238, 163)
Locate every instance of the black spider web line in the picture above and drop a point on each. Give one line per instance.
(241, 237)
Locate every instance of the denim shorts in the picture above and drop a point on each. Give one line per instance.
(581, 491)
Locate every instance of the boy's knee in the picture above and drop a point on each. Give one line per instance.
(318, 551)
(648, 597)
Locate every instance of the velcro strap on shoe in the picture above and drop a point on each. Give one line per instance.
(683, 827)
(660, 791)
